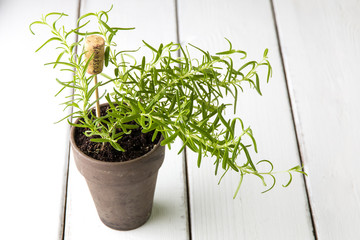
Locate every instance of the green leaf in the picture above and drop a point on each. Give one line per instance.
(154, 135)
(62, 63)
(253, 63)
(55, 13)
(118, 28)
(141, 107)
(202, 131)
(199, 156)
(117, 147)
(235, 149)
(170, 139)
(217, 165)
(146, 44)
(225, 158)
(242, 52)
(68, 84)
(269, 74)
(159, 51)
(267, 161)
(205, 53)
(59, 57)
(289, 180)
(272, 186)
(265, 53)
(252, 139)
(87, 33)
(60, 91)
(36, 22)
(106, 26)
(130, 118)
(75, 125)
(233, 166)
(76, 29)
(106, 55)
(239, 185)
(142, 69)
(106, 76)
(84, 16)
(99, 140)
(51, 39)
(60, 16)
(66, 117)
(298, 169)
(116, 72)
(248, 156)
(226, 52)
(226, 124)
(257, 86)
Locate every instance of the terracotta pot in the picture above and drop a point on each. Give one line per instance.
(123, 192)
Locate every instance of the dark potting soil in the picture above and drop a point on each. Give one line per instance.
(135, 144)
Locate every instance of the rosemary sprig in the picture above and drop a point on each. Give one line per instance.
(177, 97)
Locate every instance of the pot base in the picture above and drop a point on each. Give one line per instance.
(122, 227)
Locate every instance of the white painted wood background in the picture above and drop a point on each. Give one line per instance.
(309, 112)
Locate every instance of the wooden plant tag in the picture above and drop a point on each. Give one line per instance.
(94, 47)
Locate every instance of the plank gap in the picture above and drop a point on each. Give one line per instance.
(66, 182)
(65, 189)
(293, 118)
(187, 192)
(185, 164)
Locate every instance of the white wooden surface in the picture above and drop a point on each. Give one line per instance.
(320, 46)
(33, 149)
(281, 213)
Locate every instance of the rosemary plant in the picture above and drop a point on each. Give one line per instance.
(177, 97)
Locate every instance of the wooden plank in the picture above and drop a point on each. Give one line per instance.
(320, 42)
(280, 213)
(33, 149)
(155, 23)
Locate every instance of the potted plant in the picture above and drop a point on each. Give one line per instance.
(119, 145)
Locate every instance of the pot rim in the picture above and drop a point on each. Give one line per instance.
(77, 149)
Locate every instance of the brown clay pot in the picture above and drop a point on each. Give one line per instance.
(123, 192)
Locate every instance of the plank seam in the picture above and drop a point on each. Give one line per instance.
(185, 164)
(69, 149)
(187, 197)
(292, 108)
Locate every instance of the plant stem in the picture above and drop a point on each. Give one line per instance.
(97, 98)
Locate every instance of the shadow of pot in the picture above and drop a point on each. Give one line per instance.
(123, 192)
